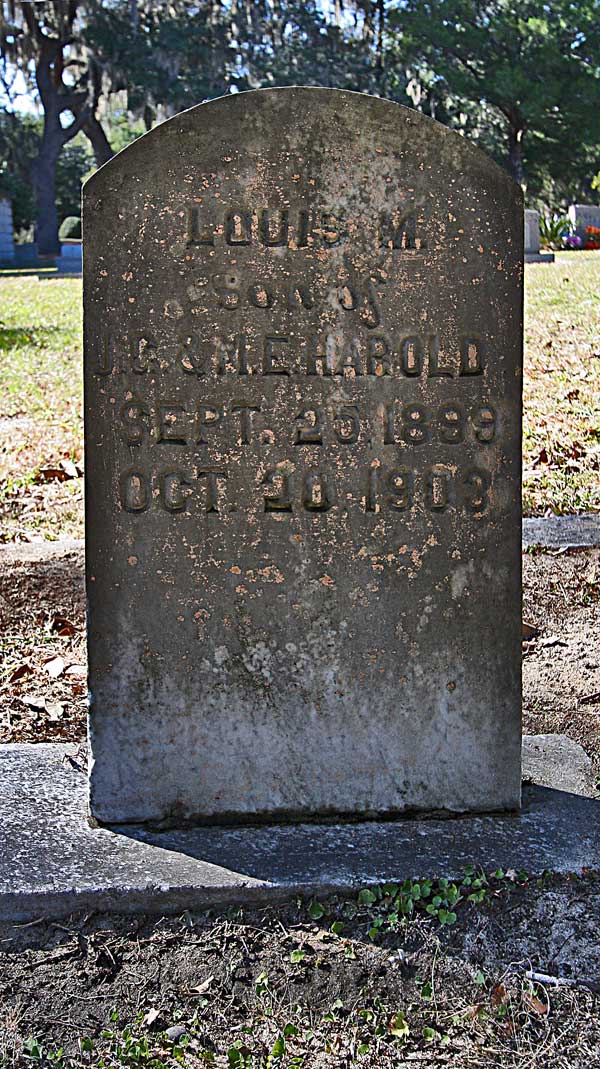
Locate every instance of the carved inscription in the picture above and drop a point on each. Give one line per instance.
(314, 490)
(409, 432)
(410, 355)
(203, 422)
(400, 228)
(401, 431)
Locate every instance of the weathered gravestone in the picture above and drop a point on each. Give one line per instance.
(583, 216)
(303, 378)
(7, 243)
(532, 239)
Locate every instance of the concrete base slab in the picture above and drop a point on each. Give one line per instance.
(44, 552)
(52, 862)
(539, 257)
(562, 532)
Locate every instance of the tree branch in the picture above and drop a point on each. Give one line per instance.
(70, 131)
(32, 24)
(95, 134)
(43, 73)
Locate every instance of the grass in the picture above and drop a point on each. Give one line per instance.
(561, 429)
(41, 397)
(40, 408)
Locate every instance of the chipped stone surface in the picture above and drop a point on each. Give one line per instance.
(303, 373)
(52, 862)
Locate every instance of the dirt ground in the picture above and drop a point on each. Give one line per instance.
(42, 643)
(42, 619)
(561, 666)
(337, 983)
(274, 987)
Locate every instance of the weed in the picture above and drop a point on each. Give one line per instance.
(35, 1050)
(239, 1056)
(389, 906)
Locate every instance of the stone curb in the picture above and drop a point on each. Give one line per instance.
(53, 863)
(562, 532)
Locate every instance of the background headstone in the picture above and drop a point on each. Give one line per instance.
(69, 261)
(303, 324)
(532, 231)
(7, 245)
(532, 239)
(582, 216)
(26, 255)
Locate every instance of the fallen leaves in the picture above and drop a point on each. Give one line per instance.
(33, 701)
(536, 1005)
(43, 678)
(529, 634)
(499, 995)
(150, 1017)
(201, 989)
(551, 641)
(65, 469)
(39, 704)
(44, 698)
(54, 667)
(22, 670)
(63, 627)
(78, 671)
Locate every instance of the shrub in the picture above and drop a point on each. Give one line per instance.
(553, 231)
(70, 228)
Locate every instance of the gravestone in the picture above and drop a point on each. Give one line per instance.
(69, 261)
(303, 321)
(7, 243)
(532, 239)
(583, 215)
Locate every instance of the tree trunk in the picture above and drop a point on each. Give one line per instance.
(43, 175)
(92, 129)
(380, 28)
(515, 153)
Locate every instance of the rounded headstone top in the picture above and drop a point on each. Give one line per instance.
(275, 115)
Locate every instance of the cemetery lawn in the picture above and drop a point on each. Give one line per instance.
(561, 387)
(41, 427)
(41, 398)
(323, 984)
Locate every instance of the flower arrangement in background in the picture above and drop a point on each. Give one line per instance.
(592, 237)
(556, 233)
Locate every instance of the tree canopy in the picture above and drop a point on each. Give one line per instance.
(520, 78)
(535, 66)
